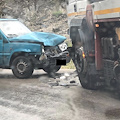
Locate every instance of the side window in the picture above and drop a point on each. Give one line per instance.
(75, 8)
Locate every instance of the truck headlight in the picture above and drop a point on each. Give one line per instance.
(62, 46)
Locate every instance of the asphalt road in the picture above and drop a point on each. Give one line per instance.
(44, 98)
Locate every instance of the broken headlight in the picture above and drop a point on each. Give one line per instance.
(63, 46)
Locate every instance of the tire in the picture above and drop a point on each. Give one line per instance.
(117, 76)
(88, 81)
(78, 60)
(53, 69)
(22, 67)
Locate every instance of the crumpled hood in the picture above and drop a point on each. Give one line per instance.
(48, 39)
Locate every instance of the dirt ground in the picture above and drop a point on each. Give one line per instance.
(44, 98)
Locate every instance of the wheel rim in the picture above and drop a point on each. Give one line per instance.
(21, 67)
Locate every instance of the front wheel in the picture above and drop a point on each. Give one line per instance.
(87, 80)
(22, 67)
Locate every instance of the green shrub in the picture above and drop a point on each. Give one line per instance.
(69, 43)
(57, 13)
(70, 65)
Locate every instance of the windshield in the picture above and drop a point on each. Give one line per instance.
(13, 28)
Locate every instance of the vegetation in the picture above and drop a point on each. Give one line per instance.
(70, 65)
(57, 13)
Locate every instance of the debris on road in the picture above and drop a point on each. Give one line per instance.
(66, 74)
(54, 83)
(66, 79)
(72, 81)
(63, 77)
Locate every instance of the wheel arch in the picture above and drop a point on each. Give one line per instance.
(16, 54)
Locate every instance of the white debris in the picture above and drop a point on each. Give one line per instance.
(66, 74)
(63, 77)
(63, 84)
(49, 80)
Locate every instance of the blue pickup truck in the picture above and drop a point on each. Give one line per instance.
(23, 50)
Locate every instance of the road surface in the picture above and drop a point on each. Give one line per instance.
(44, 98)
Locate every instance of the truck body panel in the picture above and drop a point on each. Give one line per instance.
(107, 9)
(76, 10)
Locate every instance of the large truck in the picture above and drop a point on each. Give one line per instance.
(94, 28)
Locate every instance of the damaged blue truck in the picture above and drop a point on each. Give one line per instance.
(23, 50)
